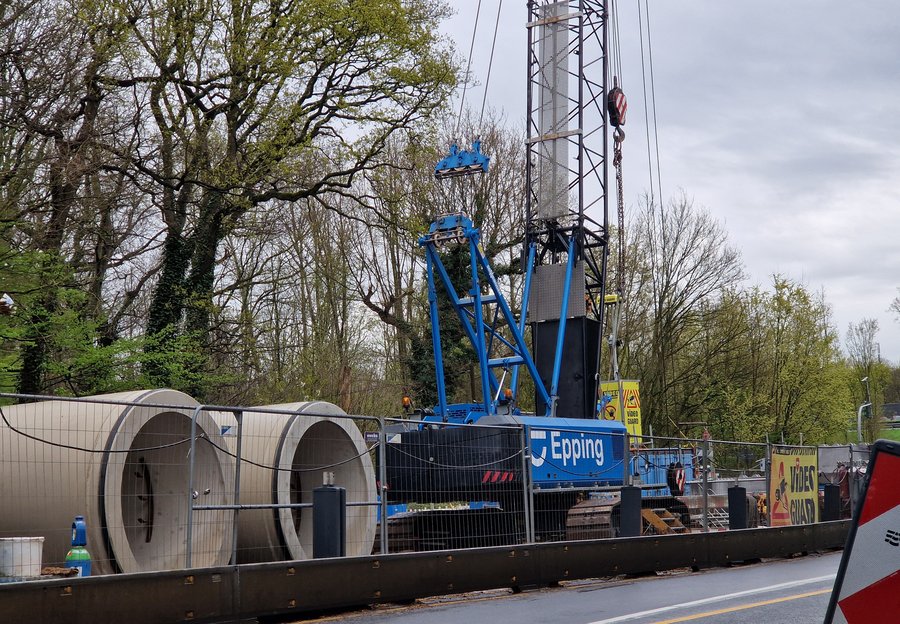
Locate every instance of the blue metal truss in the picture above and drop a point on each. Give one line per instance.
(485, 331)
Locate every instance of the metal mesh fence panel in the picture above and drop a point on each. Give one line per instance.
(163, 483)
(735, 465)
(665, 469)
(282, 454)
(845, 467)
(453, 487)
(122, 462)
(575, 476)
(859, 461)
(836, 469)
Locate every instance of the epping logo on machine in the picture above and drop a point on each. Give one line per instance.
(565, 446)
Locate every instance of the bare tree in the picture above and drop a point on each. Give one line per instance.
(61, 189)
(862, 345)
(682, 267)
(391, 280)
(871, 373)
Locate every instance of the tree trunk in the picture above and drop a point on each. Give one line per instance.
(344, 388)
(203, 266)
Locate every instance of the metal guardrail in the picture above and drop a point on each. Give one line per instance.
(227, 594)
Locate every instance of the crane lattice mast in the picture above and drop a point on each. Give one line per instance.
(567, 201)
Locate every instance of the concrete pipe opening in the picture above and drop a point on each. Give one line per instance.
(133, 489)
(296, 449)
(148, 529)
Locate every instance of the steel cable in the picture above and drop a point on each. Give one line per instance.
(490, 65)
(462, 99)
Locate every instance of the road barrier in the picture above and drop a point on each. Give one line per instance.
(283, 589)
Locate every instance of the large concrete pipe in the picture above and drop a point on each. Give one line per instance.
(125, 469)
(286, 455)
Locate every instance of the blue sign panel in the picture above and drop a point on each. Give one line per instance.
(576, 452)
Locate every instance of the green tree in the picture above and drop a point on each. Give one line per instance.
(745, 362)
(256, 102)
(892, 390)
(807, 392)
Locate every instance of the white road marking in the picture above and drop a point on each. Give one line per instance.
(703, 601)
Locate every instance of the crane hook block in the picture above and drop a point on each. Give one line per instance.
(617, 106)
(462, 162)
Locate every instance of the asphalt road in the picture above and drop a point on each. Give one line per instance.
(795, 591)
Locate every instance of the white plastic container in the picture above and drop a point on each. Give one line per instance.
(20, 557)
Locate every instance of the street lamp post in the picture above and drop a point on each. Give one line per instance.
(859, 435)
(868, 404)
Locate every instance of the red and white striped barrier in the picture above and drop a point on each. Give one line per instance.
(867, 587)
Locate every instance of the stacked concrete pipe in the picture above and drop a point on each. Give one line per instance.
(131, 484)
(286, 454)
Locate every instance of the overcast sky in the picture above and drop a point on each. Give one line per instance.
(780, 118)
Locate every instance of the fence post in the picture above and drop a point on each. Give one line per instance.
(831, 507)
(382, 490)
(704, 467)
(329, 519)
(627, 457)
(189, 537)
(239, 416)
(856, 480)
(768, 472)
(526, 487)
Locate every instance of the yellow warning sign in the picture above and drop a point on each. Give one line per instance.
(794, 486)
(631, 400)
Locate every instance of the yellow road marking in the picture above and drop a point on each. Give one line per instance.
(763, 603)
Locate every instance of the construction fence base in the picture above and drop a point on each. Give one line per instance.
(246, 592)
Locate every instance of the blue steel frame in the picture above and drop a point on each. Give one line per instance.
(462, 162)
(561, 334)
(458, 229)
